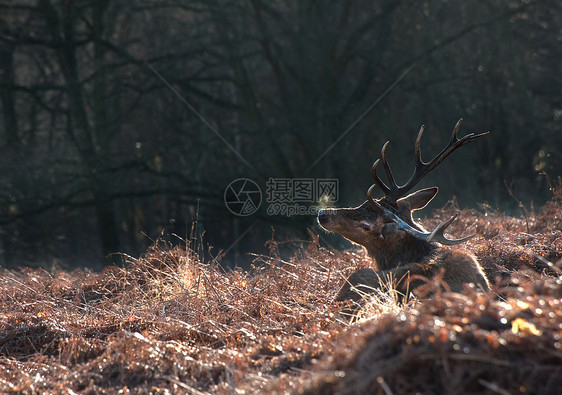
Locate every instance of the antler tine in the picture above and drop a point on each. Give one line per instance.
(417, 148)
(374, 202)
(386, 189)
(370, 196)
(454, 135)
(439, 236)
(387, 166)
(378, 181)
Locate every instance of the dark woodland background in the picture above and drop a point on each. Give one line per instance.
(124, 121)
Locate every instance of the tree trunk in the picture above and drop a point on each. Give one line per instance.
(7, 96)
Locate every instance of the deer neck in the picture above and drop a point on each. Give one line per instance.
(409, 250)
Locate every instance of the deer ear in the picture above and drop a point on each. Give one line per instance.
(418, 199)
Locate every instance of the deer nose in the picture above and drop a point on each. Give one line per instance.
(323, 216)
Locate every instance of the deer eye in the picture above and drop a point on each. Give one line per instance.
(365, 226)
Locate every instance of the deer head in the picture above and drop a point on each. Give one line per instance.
(385, 226)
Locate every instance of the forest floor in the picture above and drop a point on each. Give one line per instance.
(168, 323)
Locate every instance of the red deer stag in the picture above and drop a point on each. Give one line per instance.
(400, 247)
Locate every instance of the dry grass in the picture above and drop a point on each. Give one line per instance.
(169, 323)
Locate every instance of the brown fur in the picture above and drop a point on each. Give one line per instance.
(457, 267)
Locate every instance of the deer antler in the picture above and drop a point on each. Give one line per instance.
(394, 192)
